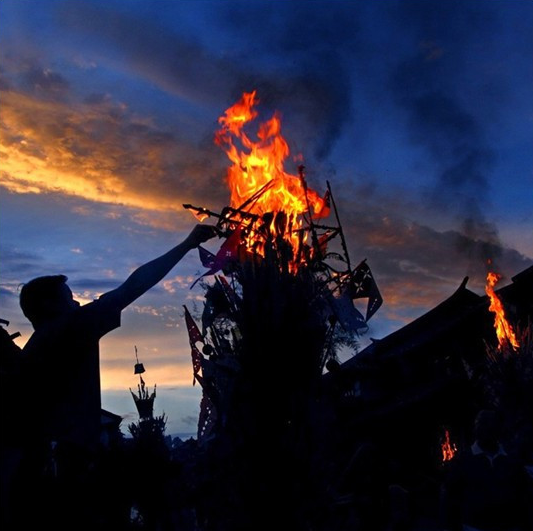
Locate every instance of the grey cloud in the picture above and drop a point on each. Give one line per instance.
(45, 83)
(8, 293)
(97, 98)
(5, 83)
(189, 420)
(20, 72)
(315, 39)
(94, 284)
(450, 127)
(401, 251)
(411, 258)
(12, 254)
(439, 122)
(182, 67)
(16, 263)
(316, 88)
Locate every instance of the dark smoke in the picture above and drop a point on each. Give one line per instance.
(427, 87)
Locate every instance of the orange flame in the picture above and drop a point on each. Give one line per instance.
(259, 165)
(504, 330)
(447, 447)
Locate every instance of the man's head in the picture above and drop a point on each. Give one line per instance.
(45, 298)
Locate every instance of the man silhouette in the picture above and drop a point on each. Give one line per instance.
(60, 364)
(485, 489)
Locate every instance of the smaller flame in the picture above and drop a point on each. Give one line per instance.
(447, 447)
(504, 331)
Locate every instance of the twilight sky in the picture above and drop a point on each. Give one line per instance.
(419, 113)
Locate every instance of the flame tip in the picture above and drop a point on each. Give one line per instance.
(504, 330)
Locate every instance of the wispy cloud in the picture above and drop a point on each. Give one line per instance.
(417, 266)
(100, 151)
(15, 260)
(178, 282)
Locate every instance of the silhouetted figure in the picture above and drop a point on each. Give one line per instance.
(11, 420)
(365, 483)
(485, 488)
(62, 388)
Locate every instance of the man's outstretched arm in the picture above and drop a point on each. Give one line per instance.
(149, 274)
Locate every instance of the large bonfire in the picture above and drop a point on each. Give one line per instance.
(278, 294)
(277, 303)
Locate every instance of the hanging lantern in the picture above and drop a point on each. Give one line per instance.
(139, 367)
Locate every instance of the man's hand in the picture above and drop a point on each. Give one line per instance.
(200, 234)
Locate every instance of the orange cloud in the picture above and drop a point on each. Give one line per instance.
(96, 151)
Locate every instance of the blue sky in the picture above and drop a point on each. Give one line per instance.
(419, 113)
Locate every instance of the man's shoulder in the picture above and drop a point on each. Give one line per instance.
(102, 314)
(102, 305)
(106, 302)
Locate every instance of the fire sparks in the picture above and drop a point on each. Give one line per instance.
(257, 177)
(504, 330)
(447, 447)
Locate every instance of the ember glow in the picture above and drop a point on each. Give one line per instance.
(257, 175)
(447, 447)
(504, 331)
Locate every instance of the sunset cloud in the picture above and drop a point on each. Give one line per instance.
(97, 151)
